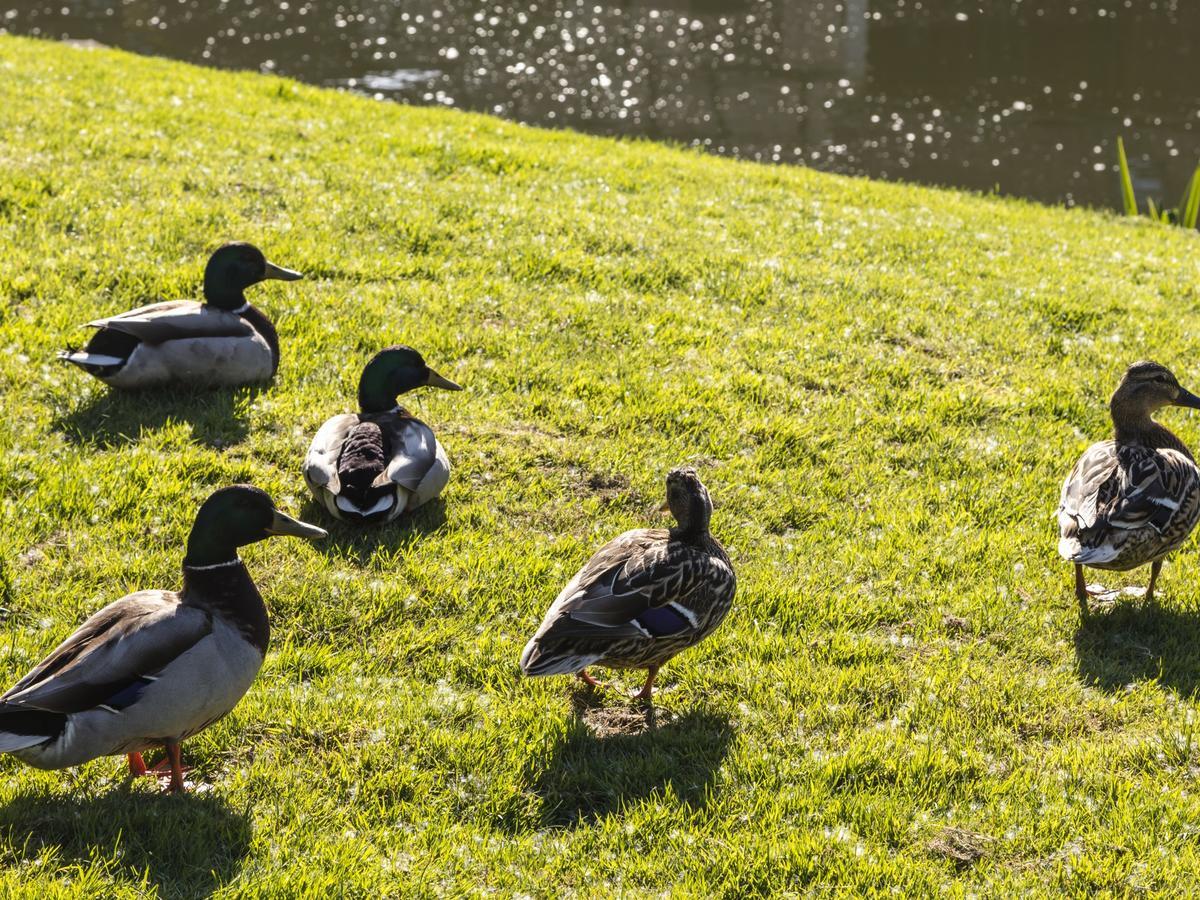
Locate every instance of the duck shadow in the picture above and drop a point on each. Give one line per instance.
(185, 846)
(360, 543)
(612, 756)
(1139, 641)
(218, 417)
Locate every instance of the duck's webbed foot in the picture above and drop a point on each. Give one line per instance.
(587, 679)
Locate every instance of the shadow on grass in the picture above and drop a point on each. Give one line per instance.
(361, 542)
(186, 846)
(112, 418)
(1136, 641)
(614, 755)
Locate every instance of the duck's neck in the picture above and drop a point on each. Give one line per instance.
(692, 521)
(227, 590)
(1138, 427)
(375, 399)
(263, 326)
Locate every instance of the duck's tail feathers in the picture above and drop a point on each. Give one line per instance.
(536, 661)
(21, 728)
(379, 506)
(1070, 549)
(89, 361)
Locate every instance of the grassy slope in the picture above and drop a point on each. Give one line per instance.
(883, 386)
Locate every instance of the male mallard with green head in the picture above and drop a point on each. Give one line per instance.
(375, 464)
(221, 342)
(644, 597)
(1133, 499)
(155, 667)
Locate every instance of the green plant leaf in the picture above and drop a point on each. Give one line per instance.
(1190, 210)
(1127, 195)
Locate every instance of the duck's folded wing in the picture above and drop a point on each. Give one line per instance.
(631, 588)
(1153, 485)
(1094, 477)
(1128, 487)
(320, 465)
(413, 451)
(113, 655)
(176, 320)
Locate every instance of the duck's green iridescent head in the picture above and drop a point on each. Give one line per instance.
(393, 372)
(235, 267)
(235, 516)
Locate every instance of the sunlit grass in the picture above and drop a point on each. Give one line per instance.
(881, 385)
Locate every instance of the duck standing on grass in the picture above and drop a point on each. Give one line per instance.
(1133, 499)
(222, 342)
(375, 464)
(155, 667)
(644, 597)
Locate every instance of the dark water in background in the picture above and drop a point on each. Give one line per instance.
(1021, 96)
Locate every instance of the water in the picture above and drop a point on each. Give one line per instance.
(1024, 98)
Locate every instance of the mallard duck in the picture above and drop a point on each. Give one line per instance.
(642, 598)
(221, 342)
(375, 464)
(155, 667)
(1133, 499)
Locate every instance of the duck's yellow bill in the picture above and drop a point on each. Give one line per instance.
(436, 380)
(274, 271)
(283, 524)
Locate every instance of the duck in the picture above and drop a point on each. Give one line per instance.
(644, 597)
(371, 466)
(1133, 499)
(156, 666)
(222, 342)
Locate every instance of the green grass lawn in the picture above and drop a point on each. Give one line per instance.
(881, 385)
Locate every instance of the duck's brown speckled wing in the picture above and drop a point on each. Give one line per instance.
(641, 598)
(1125, 505)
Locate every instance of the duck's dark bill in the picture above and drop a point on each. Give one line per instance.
(1187, 398)
(436, 380)
(274, 271)
(285, 524)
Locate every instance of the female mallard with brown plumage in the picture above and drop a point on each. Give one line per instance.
(155, 667)
(1133, 499)
(644, 597)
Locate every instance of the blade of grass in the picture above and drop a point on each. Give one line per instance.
(1127, 195)
(1190, 210)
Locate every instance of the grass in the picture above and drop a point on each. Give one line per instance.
(1183, 215)
(882, 385)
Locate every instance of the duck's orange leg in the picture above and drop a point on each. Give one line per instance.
(1155, 568)
(587, 679)
(175, 761)
(137, 765)
(647, 691)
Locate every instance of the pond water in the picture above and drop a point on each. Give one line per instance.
(1024, 98)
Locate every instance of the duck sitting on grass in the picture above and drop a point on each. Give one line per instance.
(1133, 499)
(155, 667)
(644, 597)
(373, 465)
(222, 342)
